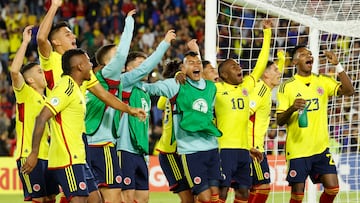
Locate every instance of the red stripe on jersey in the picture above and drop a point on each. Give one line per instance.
(49, 76)
(59, 121)
(252, 119)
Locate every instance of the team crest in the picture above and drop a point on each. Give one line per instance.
(118, 179)
(320, 90)
(82, 185)
(145, 105)
(252, 104)
(292, 173)
(245, 92)
(200, 105)
(127, 181)
(36, 187)
(266, 175)
(54, 101)
(197, 180)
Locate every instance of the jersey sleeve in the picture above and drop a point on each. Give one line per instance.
(256, 99)
(282, 103)
(161, 103)
(331, 85)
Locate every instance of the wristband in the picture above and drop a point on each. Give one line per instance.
(339, 68)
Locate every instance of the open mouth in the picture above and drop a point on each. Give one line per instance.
(196, 72)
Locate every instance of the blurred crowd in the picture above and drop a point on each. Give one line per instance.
(100, 22)
(95, 23)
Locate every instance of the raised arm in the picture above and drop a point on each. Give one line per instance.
(113, 69)
(16, 76)
(281, 60)
(38, 132)
(130, 78)
(264, 53)
(44, 45)
(346, 87)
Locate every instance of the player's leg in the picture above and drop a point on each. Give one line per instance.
(170, 164)
(35, 186)
(107, 173)
(129, 165)
(261, 181)
(73, 182)
(298, 171)
(325, 169)
(198, 168)
(142, 181)
(227, 171)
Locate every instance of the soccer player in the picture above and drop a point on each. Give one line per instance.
(194, 129)
(169, 159)
(101, 153)
(307, 148)
(232, 117)
(65, 106)
(260, 110)
(102, 123)
(53, 41)
(29, 87)
(210, 72)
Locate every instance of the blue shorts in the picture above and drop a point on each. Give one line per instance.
(202, 170)
(261, 172)
(174, 172)
(90, 179)
(135, 171)
(313, 166)
(236, 168)
(39, 183)
(104, 164)
(72, 180)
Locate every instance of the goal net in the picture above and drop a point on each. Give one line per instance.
(320, 25)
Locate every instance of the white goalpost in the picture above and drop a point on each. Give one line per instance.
(320, 25)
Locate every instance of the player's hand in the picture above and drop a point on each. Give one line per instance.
(132, 12)
(193, 46)
(57, 3)
(170, 35)
(267, 23)
(256, 155)
(27, 33)
(331, 57)
(30, 163)
(180, 77)
(299, 104)
(138, 112)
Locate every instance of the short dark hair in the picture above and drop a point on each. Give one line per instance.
(56, 27)
(190, 53)
(101, 52)
(269, 63)
(133, 55)
(293, 52)
(66, 59)
(27, 67)
(221, 66)
(171, 68)
(205, 63)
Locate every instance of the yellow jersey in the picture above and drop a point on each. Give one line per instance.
(166, 143)
(67, 103)
(260, 109)
(28, 106)
(314, 139)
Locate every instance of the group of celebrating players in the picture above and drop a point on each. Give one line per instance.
(89, 134)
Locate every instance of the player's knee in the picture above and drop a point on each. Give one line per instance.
(297, 196)
(332, 191)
